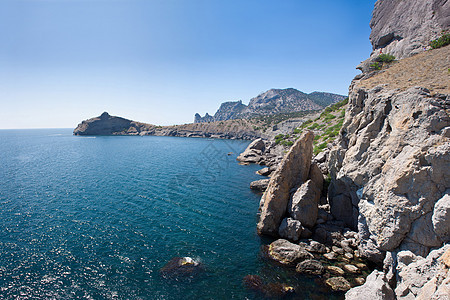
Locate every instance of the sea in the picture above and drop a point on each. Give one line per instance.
(97, 217)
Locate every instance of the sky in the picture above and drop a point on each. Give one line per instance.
(162, 61)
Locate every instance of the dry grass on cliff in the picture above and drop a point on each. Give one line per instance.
(430, 69)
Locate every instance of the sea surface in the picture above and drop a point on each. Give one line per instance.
(98, 217)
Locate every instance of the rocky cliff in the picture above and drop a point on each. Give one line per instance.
(389, 167)
(404, 28)
(274, 101)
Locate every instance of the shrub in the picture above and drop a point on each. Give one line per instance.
(313, 126)
(440, 42)
(376, 66)
(296, 131)
(319, 148)
(385, 58)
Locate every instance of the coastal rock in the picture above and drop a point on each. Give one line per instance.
(290, 229)
(181, 267)
(259, 185)
(338, 284)
(414, 272)
(351, 269)
(253, 152)
(316, 247)
(311, 267)
(375, 287)
(391, 172)
(264, 172)
(441, 218)
(335, 270)
(292, 171)
(287, 253)
(304, 205)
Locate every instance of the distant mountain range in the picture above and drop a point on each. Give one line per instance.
(274, 101)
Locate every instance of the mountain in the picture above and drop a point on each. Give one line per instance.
(274, 101)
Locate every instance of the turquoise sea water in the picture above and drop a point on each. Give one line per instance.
(97, 217)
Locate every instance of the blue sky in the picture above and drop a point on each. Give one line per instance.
(161, 61)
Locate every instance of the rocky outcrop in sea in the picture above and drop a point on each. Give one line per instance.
(271, 102)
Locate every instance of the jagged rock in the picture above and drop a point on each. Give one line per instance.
(441, 218)
(304, 205)
(413, 272)
(290, 229)
(311, 267)
(316, 247)
(404, 28)
(335, 270)
(338, 284)
(392, 167)
(259, 185)
(292, 171)
(375, 287)
(322, 156)
(287, 253)
(315, 174)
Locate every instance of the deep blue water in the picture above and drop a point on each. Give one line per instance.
(97, 217)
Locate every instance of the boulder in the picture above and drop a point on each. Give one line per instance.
(316, 247)
(315, 174)
(287, 253)
(311, 267)
(292, 171)
(338, 284)
(375, 287)
(441, 218)
(264, 171)
(335, 270)
(259, 185)
(290, 229)
(304, 205)
(351, 269)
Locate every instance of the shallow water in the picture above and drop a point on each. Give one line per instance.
(97, 217)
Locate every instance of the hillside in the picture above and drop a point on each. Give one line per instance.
(271, 102)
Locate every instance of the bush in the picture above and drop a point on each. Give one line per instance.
(296, 131)
(313, 126)
(376, 66)
(385, 58)
(440, 42)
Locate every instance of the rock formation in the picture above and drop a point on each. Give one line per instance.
(405, 28)
(274, 101)
(292, 172)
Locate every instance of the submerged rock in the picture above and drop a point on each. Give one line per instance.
(292, 171)
(311, 267)
(181, 267)
(338, 284)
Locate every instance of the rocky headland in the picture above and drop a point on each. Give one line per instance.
(376, 198)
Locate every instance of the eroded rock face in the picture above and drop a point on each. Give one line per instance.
(375, 287)
(391, 167)
(403, 28)
(304, 205)
(441, 218)
(292, 171)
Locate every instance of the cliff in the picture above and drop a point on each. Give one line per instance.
(389, 167)
(271, 102)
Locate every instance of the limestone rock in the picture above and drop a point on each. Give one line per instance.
(304, 205)
(335, 270)
(253, 152)
(315, 174)
(264, 171)
(351, 269)
(287, 253)
(316, 247)
(338, 284)
(403, 28)
(375, 287)
(290, 229)
(292, 171)
(259, 185)
(441, 218)
(311, 267)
